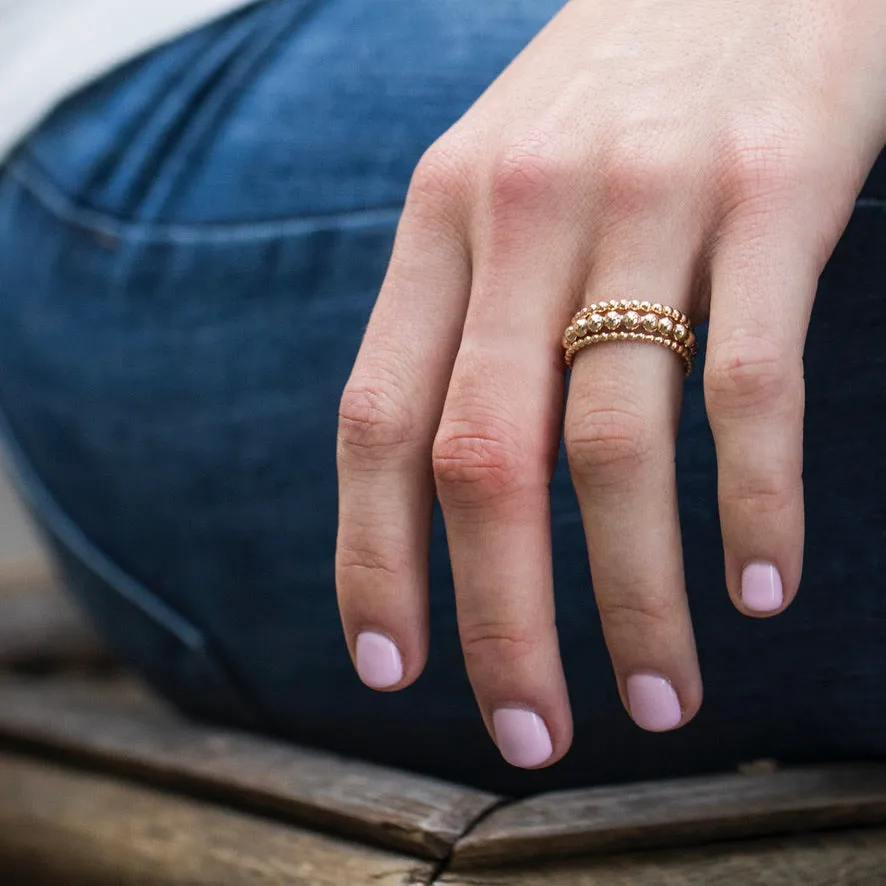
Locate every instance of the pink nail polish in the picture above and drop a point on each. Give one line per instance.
(761, 588)
(653, 703)
(522, 737)
(378, 661)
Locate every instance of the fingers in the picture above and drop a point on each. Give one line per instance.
(493, 460)
(763, 285)
(388, 416)
(494, 456)
(621, 422)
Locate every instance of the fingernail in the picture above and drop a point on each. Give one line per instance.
(653, 703)
(761, 588)
(522, 737)
(378, 661)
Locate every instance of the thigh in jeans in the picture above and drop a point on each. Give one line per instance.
(206, 231)
(189, 251)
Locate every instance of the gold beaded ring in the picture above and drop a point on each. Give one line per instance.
(631, 320)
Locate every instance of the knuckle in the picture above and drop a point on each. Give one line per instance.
(639, 613)
(441, 175)
(605, 447)
(767, 493)
(747, 377)
(526, 175)
(758, 164)
(476, 463)
(373, 418)
(362, 562)
(499, 641)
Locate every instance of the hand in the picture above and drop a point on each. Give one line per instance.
(699, 153)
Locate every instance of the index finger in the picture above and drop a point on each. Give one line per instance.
(388, 417)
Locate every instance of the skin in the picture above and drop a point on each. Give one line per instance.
(704, 154)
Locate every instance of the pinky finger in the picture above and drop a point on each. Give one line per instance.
(755, 396)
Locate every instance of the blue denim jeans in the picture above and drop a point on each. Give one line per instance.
(189, 251)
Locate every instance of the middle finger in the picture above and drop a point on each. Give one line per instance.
(494, 456)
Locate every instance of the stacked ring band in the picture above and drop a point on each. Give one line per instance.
(631, 320)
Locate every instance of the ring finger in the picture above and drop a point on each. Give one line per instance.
(621, 423)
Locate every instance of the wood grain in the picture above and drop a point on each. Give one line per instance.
(65, 827)
(40, 628)
(854, 858)
(680, 812)
(122, 730)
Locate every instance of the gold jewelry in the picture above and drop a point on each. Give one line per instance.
(631, 320)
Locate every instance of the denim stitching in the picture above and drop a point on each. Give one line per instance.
(870, 203)
(57, 203)
(200, 117)
(46, 192)
(44, 504)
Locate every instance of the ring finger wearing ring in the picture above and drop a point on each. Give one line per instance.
(621, 422)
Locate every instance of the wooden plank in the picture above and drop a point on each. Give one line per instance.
(679, 812)
(18, 570)
(76, 829)
(851, 858)
(40, 628)
(123, 730)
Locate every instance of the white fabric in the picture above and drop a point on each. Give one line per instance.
(51, 48)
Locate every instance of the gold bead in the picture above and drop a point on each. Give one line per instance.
(612, 320)
(645, 306)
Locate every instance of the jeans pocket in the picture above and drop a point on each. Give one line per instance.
(171, 653)
(124, 144)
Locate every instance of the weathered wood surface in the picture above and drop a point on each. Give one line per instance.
(122, 730)
(40, 628)
(65, 827)
(680, 812)
(61, 825)
(852, 858)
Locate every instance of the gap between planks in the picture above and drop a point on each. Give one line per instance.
(121, 730)
(59, 825)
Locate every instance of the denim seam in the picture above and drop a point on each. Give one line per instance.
(28, 174)
(870, 203)
(66, 530)
(56, 521)
(254, 51)
(38, 185)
